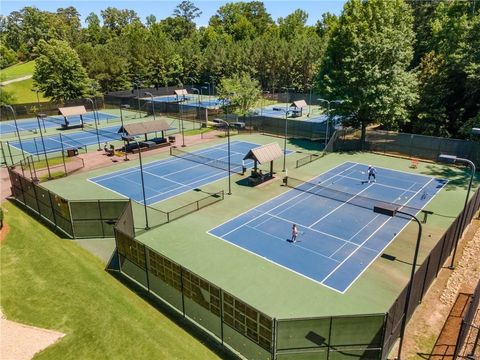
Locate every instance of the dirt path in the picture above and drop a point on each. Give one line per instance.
(22, 342)
(26, 77)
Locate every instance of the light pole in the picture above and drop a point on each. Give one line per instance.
(95, 122)
(153, 103)
(195, 90)
(392, 210)
(285, 141)
(181, 120)
(288, 96)
(123, 106)
(9, 107)
(212, 79)
(452, 159)
(201, 93)
(266, 92)
(137, 85)
(228, 141)
(310, 99)
(42, 116)
(38, 104)
(128, 139)
(327, 131)
(208, 86)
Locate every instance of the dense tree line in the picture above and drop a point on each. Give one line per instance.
(406, 65)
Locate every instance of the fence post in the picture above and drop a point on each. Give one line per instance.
(53, 210)
(221, 313)
(146, 267)
(274, 338)
(10, 153)
(63, 155)
(425, 278)
(101, 217)
(183, 296)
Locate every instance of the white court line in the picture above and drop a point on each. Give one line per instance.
(309, 195)
(379, 183)
(271, 261)
(283, 203)
(399, 171)
(381, 226)
(283, 240)
(358, 232)
(314, 230)
(149, 165)
(189, 186)
(339, 206)
(398, 233)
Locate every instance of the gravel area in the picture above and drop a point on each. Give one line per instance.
(22, 342)
(466, 273)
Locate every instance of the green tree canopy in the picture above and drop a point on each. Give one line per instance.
(241, 92)
(58, 72)
(366, 64)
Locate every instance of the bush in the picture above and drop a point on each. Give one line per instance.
(7, 57)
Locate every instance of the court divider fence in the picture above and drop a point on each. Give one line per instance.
(159, 217)
(30, 110)
(408, 145)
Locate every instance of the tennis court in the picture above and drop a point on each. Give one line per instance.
(169, 98)
(7, 127)
(73, 140)
(167, 178)
(339, 234)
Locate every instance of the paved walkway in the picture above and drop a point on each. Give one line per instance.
(26, 77)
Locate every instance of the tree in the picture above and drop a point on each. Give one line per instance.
(150, 20)
(58, 71)
(187, 10)
(293, 24)
(449, 63)
(242, 20)
(7, 56)
(366, 64)
(116, 20)
(241, 92)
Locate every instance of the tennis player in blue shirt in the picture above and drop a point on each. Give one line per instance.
(371, 173)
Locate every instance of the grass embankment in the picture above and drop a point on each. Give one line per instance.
(21, 90)
(18, 70)
(53, 283)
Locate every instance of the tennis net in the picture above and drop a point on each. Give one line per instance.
(59, 120)
(108, 134)
(344, 196)
(219, 164)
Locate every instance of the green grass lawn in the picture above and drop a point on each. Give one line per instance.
(22, 91)
(17, 70)
(53, 283)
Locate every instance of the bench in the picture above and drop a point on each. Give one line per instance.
(156, 146)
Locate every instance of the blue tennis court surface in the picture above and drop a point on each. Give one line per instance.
(78, 139)
(338, 239)
(167, 178)
(7, 127)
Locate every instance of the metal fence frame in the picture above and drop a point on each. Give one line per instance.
(467, 321)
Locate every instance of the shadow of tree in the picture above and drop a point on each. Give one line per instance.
(307, 144)
(457, 177)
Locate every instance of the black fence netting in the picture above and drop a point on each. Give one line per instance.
(30, 110)
(222, 315)
(409, 145)
(95, 218)
(353, 336)
(341, 194)
(49, 206)
(426, 273)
